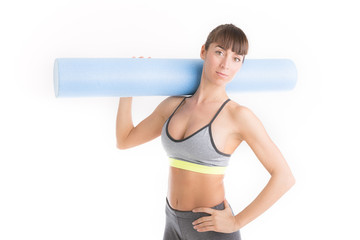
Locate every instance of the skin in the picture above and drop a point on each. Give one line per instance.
(234, 124)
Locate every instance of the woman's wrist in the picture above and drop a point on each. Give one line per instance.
(239, 221)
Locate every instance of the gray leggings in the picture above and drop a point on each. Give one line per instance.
(179, 226)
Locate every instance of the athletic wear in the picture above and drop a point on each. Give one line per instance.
(179, 226)
(196, 152)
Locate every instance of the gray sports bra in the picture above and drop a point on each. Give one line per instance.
(196, 152)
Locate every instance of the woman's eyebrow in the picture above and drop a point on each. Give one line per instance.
(225, 50)
(237, 54)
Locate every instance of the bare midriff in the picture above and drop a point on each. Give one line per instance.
(188, 190)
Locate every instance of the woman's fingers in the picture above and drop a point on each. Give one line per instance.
(204, 225)
(206, 210)
(201, 220)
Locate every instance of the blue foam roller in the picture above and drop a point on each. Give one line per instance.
(123, 77)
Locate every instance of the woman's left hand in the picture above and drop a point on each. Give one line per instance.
(219, 221)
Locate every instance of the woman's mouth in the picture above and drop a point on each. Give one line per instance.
(221, 74)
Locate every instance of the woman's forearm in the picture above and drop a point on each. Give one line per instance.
(277, 186)
(124, 123)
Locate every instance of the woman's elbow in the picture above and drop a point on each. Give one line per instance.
(289, 180)
(286, 176)
(121, 146)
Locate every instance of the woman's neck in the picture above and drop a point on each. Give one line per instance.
(207, 93)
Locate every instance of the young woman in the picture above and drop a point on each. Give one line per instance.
(199, 134)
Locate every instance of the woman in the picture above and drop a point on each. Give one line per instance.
(199, 134)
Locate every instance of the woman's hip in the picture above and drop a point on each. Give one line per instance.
(179, 225)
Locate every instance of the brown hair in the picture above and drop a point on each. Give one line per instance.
(228, 35)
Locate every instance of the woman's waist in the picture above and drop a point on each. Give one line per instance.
(188, 190)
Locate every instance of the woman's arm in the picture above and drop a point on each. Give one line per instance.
(124, 123)
(253, 132)
(255, 135)
(128, 136)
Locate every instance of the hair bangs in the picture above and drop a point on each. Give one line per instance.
(229, 36)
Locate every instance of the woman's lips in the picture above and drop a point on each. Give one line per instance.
(221, 74)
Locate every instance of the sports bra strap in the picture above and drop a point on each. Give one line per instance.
(178, 106)
(217, 113)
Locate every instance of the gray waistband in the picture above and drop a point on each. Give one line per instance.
(190, 214)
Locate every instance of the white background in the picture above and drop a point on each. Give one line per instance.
(61, 175)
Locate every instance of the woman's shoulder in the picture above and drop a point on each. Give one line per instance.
(237, 110)
(245, 119)
(168, 105)
(171, 101)
(241, 115)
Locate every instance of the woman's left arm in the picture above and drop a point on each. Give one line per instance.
(253, 132)
(282, 179)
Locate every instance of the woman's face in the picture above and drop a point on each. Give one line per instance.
(220, 65)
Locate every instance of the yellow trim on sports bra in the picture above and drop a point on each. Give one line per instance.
(196, 167)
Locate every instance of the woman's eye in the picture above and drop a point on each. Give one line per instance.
(219, 52)
(237, 59)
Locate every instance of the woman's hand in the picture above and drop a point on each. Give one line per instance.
(219, 221)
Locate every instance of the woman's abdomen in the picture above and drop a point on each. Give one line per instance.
(188, 190)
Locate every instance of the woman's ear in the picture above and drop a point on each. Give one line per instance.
(203, 52)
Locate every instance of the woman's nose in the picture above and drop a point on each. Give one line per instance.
(225, 62)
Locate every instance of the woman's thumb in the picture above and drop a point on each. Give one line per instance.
(226, 204)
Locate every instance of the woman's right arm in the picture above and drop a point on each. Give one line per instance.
(124, 123)
(128, 136)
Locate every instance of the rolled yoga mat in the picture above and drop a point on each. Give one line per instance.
(123, 77)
